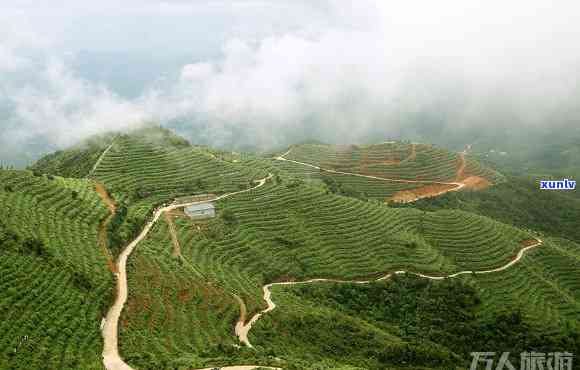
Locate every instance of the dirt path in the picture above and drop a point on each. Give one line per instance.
(409, 195)
(102, 236)
(110, 329)
(281, 158)
(242, 329)
(175, 240)
(101, 158)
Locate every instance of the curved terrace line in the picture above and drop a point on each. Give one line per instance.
(457, 185)
(243, 329)
(113, 361)
(98, 162)
(110, 329)
(282, 158)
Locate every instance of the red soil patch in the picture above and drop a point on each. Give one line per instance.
(476, 183)
(184, 296)
(427, 191)
(471, 182)
(102, 237)
(528, 242)
(100, 189)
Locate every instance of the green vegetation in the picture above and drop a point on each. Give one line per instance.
(397, 160)
(545, 284)
(55, 283)
(141, 167)
(394, 160)
(303, 232)
(406, 322)
(518, 201)
(283, 232)
(75, 162)
(189, 281)
(181, 311)
(545, 152)
(150, 167)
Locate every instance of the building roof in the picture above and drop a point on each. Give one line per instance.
(199, 207)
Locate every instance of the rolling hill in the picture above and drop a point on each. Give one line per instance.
(238, 289)
(391, 171)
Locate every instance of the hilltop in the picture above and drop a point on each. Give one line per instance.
(391, 171)
(214, 292)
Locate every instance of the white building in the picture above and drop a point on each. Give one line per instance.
(200, 211)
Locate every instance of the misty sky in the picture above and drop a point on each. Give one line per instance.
(69, 69)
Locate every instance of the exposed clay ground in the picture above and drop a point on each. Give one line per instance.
(428, 191)
(462, 180)
(476, 183)
(103, 240)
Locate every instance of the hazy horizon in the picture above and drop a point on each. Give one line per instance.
(252, 73)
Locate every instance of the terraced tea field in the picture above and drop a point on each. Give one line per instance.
(54, 295)
(194, 289)
(393, 171)
(145, 169)
(77, 161)
(173, 311)
(310, 233)
(286, 232)
(546, 284)
(393, 160)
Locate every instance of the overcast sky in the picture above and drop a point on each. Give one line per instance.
(270, 65)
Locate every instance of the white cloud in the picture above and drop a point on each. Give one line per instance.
(8, 61)
(65, 109)
(42, 98)
(343, 65)
(197, 72)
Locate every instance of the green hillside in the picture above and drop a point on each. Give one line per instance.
(77, 161)
(392, 160)
(189, 282)
(387, 171)
(520, 202)
(55, 280)
(144, 166)
(280, 232)
(438, 324)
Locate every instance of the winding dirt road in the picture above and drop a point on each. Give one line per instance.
(113, 361)
(455, 185)
(243, 329)
(110, 329)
